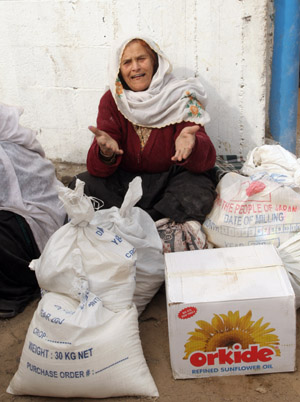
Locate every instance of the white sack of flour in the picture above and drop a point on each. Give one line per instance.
(138, 228)
(250, 211)
(82, 350)
(80, 250)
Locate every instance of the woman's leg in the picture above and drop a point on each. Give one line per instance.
(187, 196)
(18, 284)
(112, 190)
(176, 194)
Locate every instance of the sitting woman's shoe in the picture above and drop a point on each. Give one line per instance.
(7, 313)
(11, 308)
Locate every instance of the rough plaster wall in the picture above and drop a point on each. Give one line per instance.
(53, 63)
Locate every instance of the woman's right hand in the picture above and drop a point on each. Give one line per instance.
(108, 146)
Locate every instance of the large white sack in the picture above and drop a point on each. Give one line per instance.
(82, 350)
(138, 228)
(81, 251)
(289, 252)
(248, 212)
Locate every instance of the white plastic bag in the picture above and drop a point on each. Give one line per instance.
(289, 252)
(248, 212)
(80, 250)
(82, 350)
(138, 228)
(275, 161)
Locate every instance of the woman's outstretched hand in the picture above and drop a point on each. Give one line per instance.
(108, 146)
(184, 143)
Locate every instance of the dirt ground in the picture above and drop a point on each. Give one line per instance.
(154, 335)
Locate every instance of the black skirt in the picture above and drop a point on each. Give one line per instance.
(18, 284)
(176, 194)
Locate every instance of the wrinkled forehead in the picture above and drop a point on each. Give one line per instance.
(143, 45)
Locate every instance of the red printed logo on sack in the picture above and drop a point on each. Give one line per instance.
(187, 312)
(229, 339)
(255, 187)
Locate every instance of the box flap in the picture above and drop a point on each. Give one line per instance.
(222, 259)
(221, 274)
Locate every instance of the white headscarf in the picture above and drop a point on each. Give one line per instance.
(168, 100)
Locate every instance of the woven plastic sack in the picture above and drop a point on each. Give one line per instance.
(80, 349)
(251, 211)
(81, 251)
(138, 228)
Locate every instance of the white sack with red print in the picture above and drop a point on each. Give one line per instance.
(250, 211)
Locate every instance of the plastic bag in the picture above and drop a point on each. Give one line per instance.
(138, 228)
(81, 251)
(273, 160)
(75, 349)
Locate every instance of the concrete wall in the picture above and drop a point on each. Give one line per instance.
(53, 63)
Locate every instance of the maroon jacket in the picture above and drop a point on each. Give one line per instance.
(157, 153)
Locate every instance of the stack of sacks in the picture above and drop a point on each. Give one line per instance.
(83, 340)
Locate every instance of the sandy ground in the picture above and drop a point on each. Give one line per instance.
(154, 335)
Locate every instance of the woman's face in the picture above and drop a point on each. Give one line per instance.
(136, 66)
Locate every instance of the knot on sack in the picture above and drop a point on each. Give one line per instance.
(79, 207)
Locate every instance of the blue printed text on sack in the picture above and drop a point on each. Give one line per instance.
(130, 253)
(48, 317)
(117, 240)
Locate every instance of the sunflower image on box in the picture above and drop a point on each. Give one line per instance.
(231, 339)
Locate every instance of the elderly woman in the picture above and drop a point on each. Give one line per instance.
(150, 124)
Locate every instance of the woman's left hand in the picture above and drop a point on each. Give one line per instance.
(184, 143)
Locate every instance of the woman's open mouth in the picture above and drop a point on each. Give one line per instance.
(137, 76)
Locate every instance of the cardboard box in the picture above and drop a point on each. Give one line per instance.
(231, 311)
